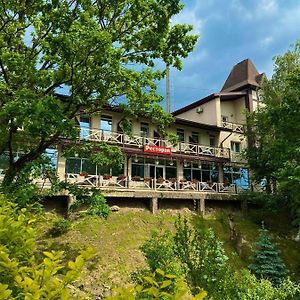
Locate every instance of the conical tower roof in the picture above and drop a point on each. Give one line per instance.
(242, 74)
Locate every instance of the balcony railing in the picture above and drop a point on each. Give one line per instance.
(239, 128)
(123, 183)
(99, 135)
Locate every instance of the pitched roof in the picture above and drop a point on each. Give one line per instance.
(242, 74)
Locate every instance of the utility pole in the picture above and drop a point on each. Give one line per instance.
(168, 89)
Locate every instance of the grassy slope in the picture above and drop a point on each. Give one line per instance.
(117, 241)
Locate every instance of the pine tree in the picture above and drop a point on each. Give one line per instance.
(266, 261)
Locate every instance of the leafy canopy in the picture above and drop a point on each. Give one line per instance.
(58, 58)
(276, 153)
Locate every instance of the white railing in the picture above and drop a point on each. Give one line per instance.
(233, 126)
(99, 135)
(116, 183)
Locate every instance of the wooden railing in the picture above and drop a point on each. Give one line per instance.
(239, 128)
(99, 135)
(101, 182)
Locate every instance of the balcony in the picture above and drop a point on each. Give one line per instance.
(124, 183)
(115, 138)
(239, 128)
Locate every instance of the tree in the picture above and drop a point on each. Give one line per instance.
(58, 58)
(275, 156)
(266, 262)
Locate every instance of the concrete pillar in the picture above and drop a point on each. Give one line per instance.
(61, 166)
(201, 206)
(179, 170)
(154, 205)
(221, 173)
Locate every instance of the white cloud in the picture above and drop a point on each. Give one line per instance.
(268, 7)
(265, 42)
(189, 17)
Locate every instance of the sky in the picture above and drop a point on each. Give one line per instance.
(230, 31)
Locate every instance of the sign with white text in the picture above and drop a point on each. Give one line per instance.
(157, 149)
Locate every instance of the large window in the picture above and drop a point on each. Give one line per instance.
(83, 165)
(106, 123)
(84, 127)
(137, 170)
(238, 176)
(180, 134)
(201, 172)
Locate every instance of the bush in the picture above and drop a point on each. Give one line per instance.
(96, 204)
(23, 275)
(59, 227)
(159, 251)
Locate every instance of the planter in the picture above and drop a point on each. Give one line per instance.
(147, 179)
(84, 174)
(106, 177)
(160, 180)
(121, 177)
(136, 178)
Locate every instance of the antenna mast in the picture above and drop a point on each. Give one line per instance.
(168, 89)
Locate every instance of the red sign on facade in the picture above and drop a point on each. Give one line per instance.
(157, 149)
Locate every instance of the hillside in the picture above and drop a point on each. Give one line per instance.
(117, 241)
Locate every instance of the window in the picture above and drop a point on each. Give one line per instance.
(180, 134)
(83, 165)
(144, 129)
(106, 123)
(84, 127)
(212, 141)
(238, 176)
(235, 147)
(194, 138)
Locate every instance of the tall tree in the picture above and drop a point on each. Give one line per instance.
(90, 50)
(276, 153)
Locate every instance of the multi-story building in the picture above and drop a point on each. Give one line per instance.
(207, 157)
(211, 134)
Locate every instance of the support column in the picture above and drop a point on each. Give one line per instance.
(201, 206)
(61, 165)
(179, 170)
(221, 173)
(154, 205)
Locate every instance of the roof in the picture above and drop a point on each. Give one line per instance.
(242, 74)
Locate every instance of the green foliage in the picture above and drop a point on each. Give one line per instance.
(96, 204)
(201, 254)
(266, 260)
(98, 153)
(202, 263)
(59, 227)
(159, 251)
(275, 155)
(153, 288)
(22, 275)
(89, 49)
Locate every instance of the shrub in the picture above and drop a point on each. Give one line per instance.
(23, 275)
(59, 227)
(159, 251)
(96, 204)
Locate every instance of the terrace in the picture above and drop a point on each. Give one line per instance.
(116, 138)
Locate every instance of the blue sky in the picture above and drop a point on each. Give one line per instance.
(230, 31)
